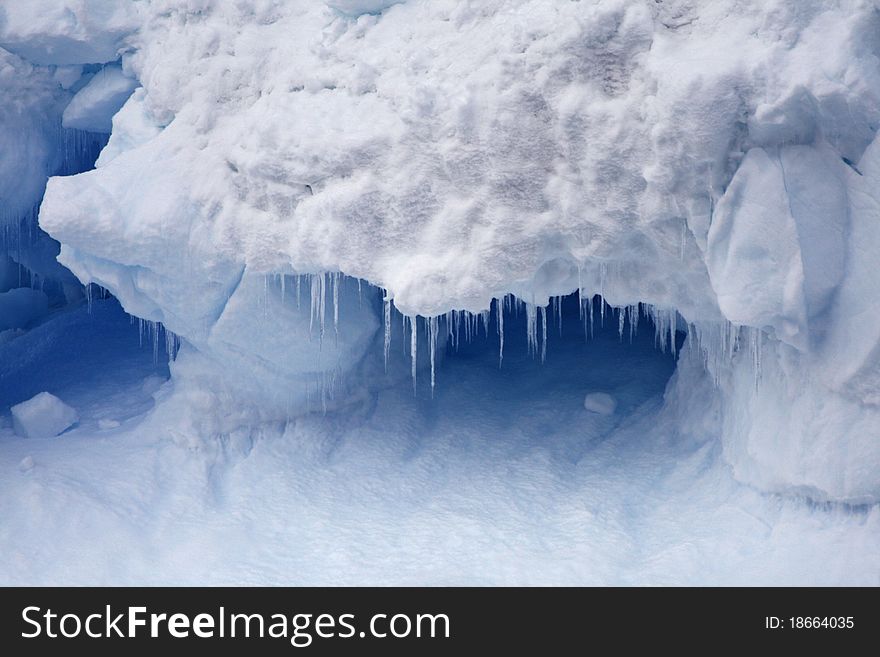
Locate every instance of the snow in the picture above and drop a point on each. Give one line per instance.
(42, 416)
(333, 217)
(600, 402)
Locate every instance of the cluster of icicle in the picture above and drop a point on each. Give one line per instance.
(77, 151)
(717, 342)
(149, 332)
(18, 232)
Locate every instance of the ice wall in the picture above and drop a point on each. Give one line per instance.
(46, 55)
(710, 158)
(808, 418)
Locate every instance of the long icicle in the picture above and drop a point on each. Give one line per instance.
(387, 344)
(414, 347)
(499, 308)
(432, 346)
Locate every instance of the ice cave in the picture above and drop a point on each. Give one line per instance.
(430, 292)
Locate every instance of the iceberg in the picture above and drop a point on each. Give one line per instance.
(620, 244)
(542, 149)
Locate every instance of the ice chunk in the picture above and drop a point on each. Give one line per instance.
(26, 464)
(776, 246)
(600, 402)
(42, 416)
(93, 107)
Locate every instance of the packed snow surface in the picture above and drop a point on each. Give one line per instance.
(500, 478)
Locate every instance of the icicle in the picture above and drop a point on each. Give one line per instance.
(172, 344)
(532, 328)
(559, 314)
(543, 311)
(755, 346)
(448, 319)
(413, 347)
(323, 301)
(318, 301)
(484, 321)
(499, 308)
(621, 320)
(387, 331)
(580, 296)
(403, 322)
(155, 332)
(432, 346)
(265, 296)
(633, 312)
(335, 279)
(590, 315)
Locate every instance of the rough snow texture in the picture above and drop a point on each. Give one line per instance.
(706, 157)
(42, 416)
